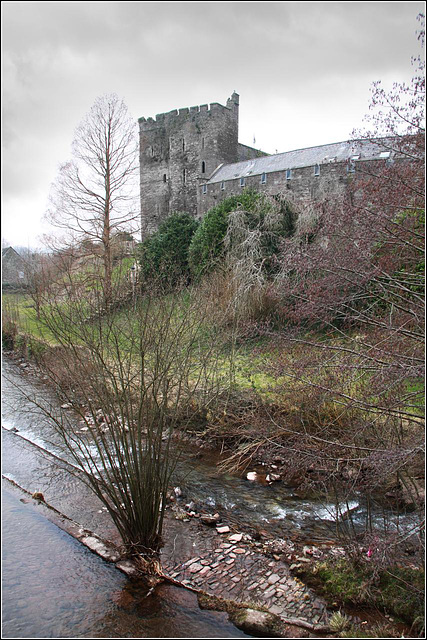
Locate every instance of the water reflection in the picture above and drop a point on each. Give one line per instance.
(53, 587)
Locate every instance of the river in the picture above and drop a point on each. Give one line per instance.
(54, 587)
(276, 507)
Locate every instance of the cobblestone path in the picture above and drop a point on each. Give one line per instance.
(233, 570)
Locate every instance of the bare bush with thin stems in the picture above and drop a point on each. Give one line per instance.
(135, 379)
(349, 362)
(250, 244)
(352, 288)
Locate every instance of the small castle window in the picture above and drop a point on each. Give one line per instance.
(164, 177)
(205, 188)
(203, 143)
(222, 186)
(152, 152)
(183, 176)
(203, 167)
(351, 167)
(242, 182)
(183, 144)
(317, 169)
(264, 178)
(288, 174)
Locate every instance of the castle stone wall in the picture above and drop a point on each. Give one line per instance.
(248, 153)
(191, 159)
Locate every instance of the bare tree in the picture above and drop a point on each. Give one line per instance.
(135, 380)
(39, 270)
(349, 361)
(354, 278)
(94, 195)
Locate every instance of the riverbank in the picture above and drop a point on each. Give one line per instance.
(220, 565)
(229, 564)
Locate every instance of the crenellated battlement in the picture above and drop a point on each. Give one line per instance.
(170, 117)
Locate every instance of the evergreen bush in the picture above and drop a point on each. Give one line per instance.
(165, 253)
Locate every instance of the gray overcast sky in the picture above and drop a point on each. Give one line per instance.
(303, 71)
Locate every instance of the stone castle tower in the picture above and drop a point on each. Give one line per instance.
(179, 151)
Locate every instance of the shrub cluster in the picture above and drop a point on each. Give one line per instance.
(183, 248)
(9, 329)
(397, 590)
(165, 253)
(207, 246)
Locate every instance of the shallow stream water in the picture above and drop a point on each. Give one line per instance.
(275, 507)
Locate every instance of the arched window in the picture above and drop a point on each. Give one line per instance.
(203, 167)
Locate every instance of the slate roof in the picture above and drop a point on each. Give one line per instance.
(9, 250)
(336, 152)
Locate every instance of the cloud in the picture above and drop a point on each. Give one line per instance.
(302, 69)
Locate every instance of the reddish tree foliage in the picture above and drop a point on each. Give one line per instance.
(353, 275)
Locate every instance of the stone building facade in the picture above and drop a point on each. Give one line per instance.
(190, 159)
(13, 269)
